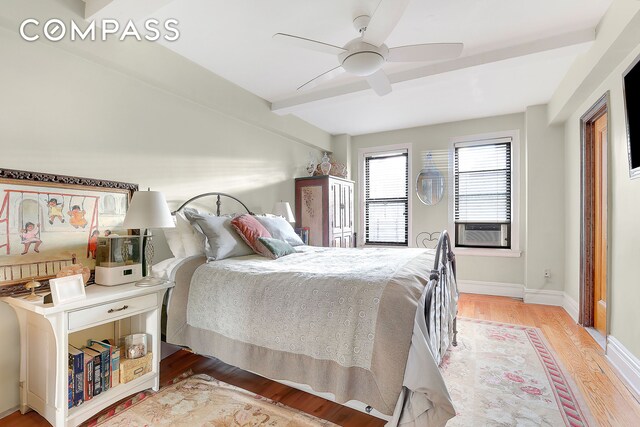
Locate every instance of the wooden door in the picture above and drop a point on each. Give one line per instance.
(600, 225)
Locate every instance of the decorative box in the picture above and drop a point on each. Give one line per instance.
(130, 369)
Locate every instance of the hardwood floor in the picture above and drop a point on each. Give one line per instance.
(609, 400)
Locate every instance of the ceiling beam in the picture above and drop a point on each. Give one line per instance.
(121, 10)
(318, 97)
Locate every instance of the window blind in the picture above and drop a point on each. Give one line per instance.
(386, 198)
(483, 182)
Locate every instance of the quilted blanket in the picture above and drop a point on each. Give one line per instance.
(339, 320)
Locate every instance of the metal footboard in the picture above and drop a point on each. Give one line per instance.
(441, 299)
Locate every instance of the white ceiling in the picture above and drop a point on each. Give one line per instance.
(234, 40)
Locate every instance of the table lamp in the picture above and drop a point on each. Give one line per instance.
(147, 210)
(284, 209)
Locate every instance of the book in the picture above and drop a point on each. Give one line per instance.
(97, 370)
(114, 355)
(88, 375)
(115, 366)
(76, 363)
(70, 389)
(105, 363)
(303, 233)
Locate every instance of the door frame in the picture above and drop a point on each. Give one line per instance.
(587, 238)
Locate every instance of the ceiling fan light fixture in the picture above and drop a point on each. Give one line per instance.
(363, 63)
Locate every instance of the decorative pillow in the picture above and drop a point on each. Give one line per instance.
(250, 229)
(193, 241)
(174, 240)
(221, 239)
(276, 248)
(280, 229)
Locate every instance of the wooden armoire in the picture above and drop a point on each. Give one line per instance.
(324, 204)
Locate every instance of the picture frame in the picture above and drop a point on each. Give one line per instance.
(65, 290)
(48, 222)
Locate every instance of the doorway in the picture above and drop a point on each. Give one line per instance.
(594, 221)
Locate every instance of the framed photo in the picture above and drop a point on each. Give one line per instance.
(67, 289)
(48, 222)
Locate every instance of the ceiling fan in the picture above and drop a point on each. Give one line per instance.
(365, 55)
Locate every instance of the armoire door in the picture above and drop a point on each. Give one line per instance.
(335, 209)
(347, 208)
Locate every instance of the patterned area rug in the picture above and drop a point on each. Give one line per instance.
(507, 375)
(200, 400)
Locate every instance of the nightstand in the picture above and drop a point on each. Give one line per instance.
(44, 339)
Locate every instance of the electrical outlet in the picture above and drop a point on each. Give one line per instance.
(547, 273)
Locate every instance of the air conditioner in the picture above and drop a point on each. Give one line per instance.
(484, 235)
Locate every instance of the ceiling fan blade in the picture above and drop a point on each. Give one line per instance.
(308, 44)
(425, 52)
(379, 82)
(326, 76)
(384, 20)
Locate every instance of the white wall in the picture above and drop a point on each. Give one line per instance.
(600, 70)
(135, 112)
(544, 181)
(541, 193)
(624, 205)
(435, 139)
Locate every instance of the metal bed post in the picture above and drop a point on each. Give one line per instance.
(438, 298)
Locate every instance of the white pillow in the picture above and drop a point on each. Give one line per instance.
(280, 229)
(193, 241)
(222, 241)
(174, 240)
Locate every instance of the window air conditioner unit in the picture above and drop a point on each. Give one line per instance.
(478, 235)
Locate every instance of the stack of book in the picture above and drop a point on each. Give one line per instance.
(93, 369)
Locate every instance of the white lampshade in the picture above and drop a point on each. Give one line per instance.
(284, 209)
(148, 209)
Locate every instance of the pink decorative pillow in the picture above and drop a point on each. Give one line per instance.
(250, 230)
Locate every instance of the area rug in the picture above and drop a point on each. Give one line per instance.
(507, 375)
(200, 400)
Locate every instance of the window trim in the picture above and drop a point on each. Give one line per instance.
(364, 152)
(515, 192)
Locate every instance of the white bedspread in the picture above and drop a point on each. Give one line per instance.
(344, 321)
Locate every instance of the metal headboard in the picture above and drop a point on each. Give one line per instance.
(218, 202)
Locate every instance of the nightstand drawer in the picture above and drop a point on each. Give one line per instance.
(100, 314)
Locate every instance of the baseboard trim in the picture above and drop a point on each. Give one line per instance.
(543, 296)
(529, 296)
(512, 290)
(571, 307)
(627, 365)
(9, 412)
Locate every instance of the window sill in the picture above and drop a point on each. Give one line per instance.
(379, 245)
(506, 253)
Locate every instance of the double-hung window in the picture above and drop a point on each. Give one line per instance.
(483, 193)
(386, 198)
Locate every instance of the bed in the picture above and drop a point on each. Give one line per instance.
(363, 327)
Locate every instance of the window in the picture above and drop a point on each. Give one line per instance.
(482, 193)
(386, 198)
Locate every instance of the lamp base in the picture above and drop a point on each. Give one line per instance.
(149, 281)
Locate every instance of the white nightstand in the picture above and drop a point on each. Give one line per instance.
(44, 340)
